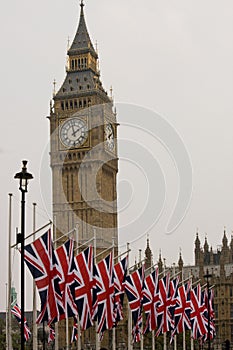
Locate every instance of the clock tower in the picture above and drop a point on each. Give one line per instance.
(83, 135)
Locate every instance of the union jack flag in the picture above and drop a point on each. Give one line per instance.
(151, 300)
(74, 336)
(120, 270)
(104, 294)
(210, 309)
(133, 288)
(42, 263)
(173, 298)
(182, 310)
(164, 318)
(197, 315)
(16, 311)
(51, 333)
(65, 259)
(84, 287)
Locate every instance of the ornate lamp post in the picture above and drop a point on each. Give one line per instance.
(24, 178)
(207, 276)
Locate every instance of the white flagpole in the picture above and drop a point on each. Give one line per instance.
(192, 343)
(34, 314)
(97, 345)
(7, 324)
(141, 335)
(129, 319)
(114, 328)
(164, 334)
(184, 343)
(9, 336)
(79, 328)
(67, 332)
(56, 324)
(175, 337)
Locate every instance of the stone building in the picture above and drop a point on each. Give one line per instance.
(219, 263)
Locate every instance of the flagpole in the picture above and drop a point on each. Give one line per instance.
(153, 331)
(7, 324)
(164, 334)
(191, 338)
(97, 343)
(129, 318)
(56, 324)
(174, 275)
(67, 332)
(114, 328)
(9, 335)
(79, 329)
(34, 315)
(141, 335)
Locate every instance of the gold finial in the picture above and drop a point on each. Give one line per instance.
(54, 87)
(111, 90)
(68, 43)
(96, 46)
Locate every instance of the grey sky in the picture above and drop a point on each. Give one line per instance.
(174, 57)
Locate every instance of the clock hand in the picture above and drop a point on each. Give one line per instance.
(72, 125)
(75, 132)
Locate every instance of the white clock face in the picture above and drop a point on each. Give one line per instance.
(109, 136)
(73, 132)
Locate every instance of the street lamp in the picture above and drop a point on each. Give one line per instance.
(207, 276)
(24, 178)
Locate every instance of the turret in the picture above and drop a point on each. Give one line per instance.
(197, 250)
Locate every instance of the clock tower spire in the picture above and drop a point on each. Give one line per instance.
(83, 134)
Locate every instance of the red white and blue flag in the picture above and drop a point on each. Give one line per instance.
(133, 288)
(120, 270)
(151, 300)
(164, 319)
(197, 315)
(104, 285)
(42, 263)
(182, 310)
(65, 259)
(210, 308)
(16, 311)
(84, 287)
(173, 298)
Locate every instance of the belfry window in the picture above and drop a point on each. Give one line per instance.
(80, 104)
(62, 105)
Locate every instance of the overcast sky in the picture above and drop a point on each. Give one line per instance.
(171, 57)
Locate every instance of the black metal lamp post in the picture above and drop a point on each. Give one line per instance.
(24, 178)
(207, 276)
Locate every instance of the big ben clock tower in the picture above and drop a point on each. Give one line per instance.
(83, 134)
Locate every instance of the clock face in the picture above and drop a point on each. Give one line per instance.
(109, 136)
(73, 132)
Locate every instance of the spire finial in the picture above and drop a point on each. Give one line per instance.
(82, 6)
(54, 87)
